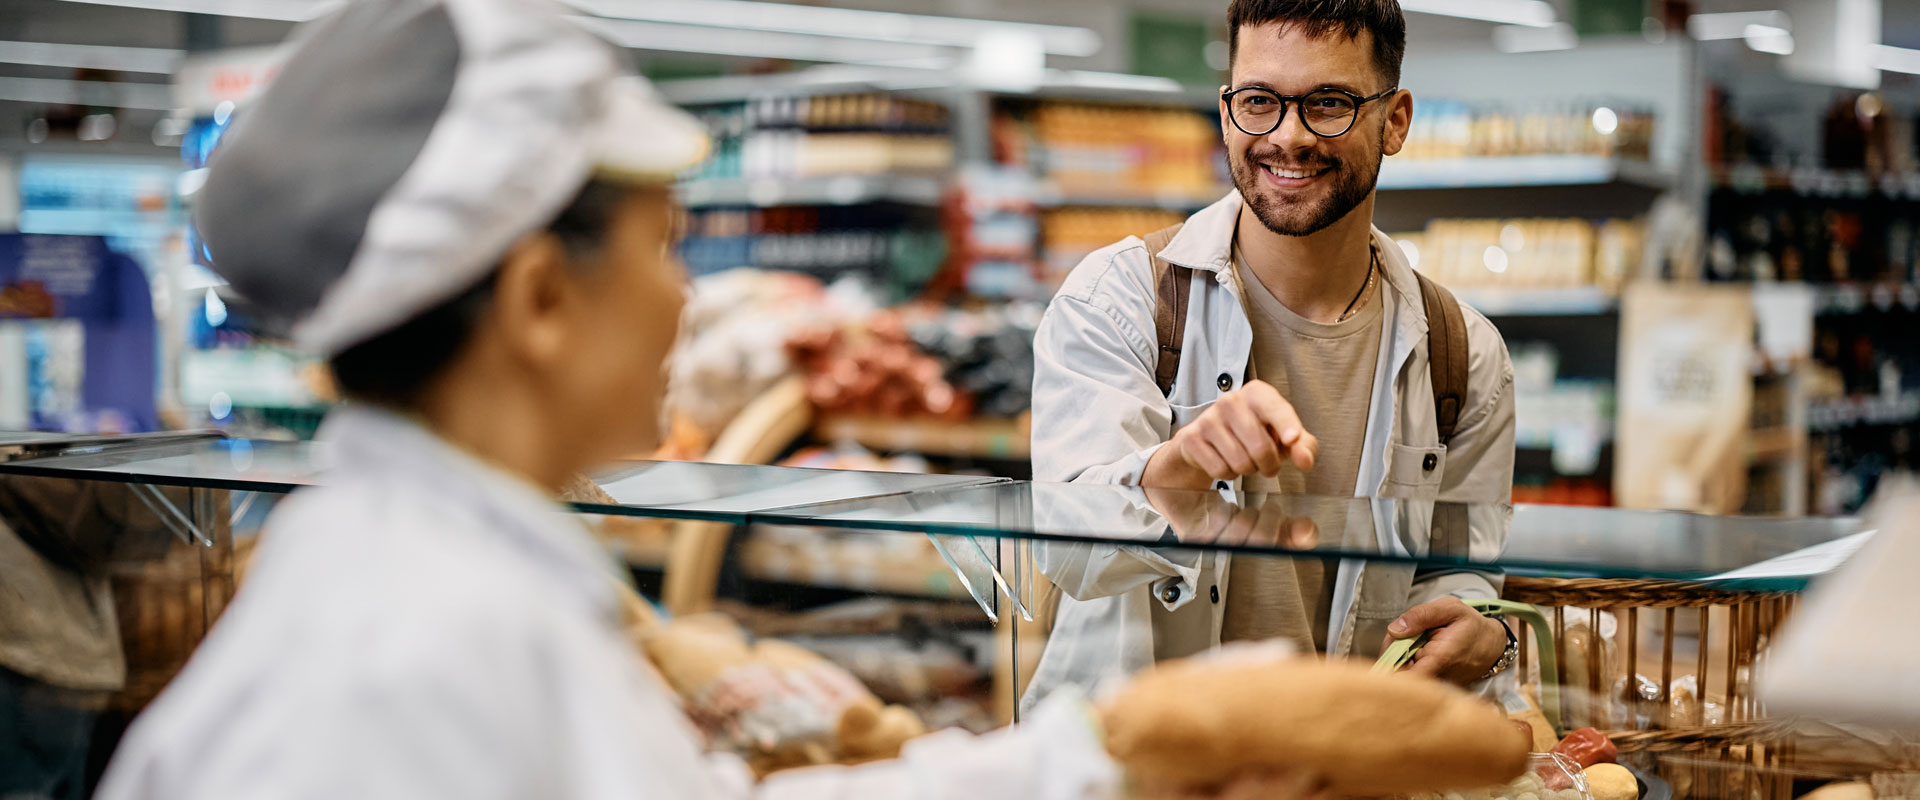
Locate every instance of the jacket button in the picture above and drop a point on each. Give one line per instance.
(1213, 593)
(1171, 594)
(1225, 382)
(1430, 462)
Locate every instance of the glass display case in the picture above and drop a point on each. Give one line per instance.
(957, 596)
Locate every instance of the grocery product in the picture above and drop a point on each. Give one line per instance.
(798, 137)
(1536, 253)
(1587, 747)
(1611, 782)
(1067, 235)
(1548, 777)
(1445, 129)
(1187, 723)
(775, 704)
(874, 368)
(1106, 149)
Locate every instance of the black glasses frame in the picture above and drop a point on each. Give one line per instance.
(1300, 101)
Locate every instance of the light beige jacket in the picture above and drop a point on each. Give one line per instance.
(1098, 416)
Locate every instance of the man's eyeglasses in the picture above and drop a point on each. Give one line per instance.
(1327, 113)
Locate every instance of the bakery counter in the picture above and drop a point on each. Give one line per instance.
(959, 600)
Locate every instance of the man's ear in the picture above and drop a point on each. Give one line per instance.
(533, 297)
(1399, 122)
(1226, 117)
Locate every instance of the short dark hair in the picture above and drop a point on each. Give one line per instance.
(394, 368)
(1317, 18)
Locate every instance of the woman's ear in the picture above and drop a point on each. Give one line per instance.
(534, 297)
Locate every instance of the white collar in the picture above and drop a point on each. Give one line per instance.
(370, 444)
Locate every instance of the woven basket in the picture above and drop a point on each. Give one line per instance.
(1742, 754)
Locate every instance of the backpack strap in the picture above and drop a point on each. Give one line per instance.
(1173, 285)
(1446, 355)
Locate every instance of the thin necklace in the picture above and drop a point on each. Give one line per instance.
(1372, 260)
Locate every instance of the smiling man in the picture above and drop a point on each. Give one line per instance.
(1278, 342)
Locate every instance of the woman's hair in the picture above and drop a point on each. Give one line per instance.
(394, 368)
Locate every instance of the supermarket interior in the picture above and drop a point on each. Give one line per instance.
(1694, 223)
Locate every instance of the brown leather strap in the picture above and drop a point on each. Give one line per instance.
(1170, 312)
(1446, 355)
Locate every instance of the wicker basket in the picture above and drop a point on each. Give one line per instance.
(1741, 753)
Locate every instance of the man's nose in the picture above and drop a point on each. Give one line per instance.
(1292, 135)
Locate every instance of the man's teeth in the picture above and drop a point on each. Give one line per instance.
(1295, 174)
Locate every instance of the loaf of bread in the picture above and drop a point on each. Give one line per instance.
(1201, 722)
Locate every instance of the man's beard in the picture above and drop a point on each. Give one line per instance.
(1350, 188)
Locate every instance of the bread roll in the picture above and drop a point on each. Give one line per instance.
(1612, 782)
(1204, 721)
(1842, 791)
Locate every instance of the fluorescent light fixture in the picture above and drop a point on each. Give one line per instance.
(1734, 24)
(845, 23)
(1522, 39)
(106, 94)
(1896, 59)
(1529, 13)
(85, 56)
(282, 10)
(1119, 81)
(1769, 39)
(758, 44)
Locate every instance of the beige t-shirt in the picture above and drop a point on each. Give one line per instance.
(1326, 370)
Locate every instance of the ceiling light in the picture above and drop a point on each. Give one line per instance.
(1530, 13)
(1769, 39)
(756, 44)
(282, 10)
(1086, 79)
(1896, 59)
(1061, 40)
(1523, 39)
(84, 56)
(1605, 122)
(1734, 24)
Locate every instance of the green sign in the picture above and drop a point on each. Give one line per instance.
(1171, 46)
(1608, 17)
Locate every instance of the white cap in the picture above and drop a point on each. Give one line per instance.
(407, 144)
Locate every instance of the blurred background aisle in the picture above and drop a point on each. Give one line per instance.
(1638, 192)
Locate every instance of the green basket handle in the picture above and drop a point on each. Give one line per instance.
(1401, 653)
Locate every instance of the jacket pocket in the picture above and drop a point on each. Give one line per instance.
(1415, 472)
(1186, 414)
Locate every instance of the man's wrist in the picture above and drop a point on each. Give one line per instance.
(1168, 469)
(1508, 655)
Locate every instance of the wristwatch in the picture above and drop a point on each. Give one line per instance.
(1507, 658)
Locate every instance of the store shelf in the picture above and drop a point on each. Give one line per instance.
(1539, 302)
(1854, 298)
(919, 578)
(1510, 171)
(1818, 182)
(1054, 197)
(838, 190)
(996, 439)
(1900, 409)
(1773, 445)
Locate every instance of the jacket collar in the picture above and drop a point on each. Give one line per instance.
(1205, 243)
(373, 445)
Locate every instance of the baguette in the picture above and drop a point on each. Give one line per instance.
(1202, 722)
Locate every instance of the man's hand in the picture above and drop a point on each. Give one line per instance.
(1252, 786)
(1464, 645)
(1251, 430)
(1203, 517)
